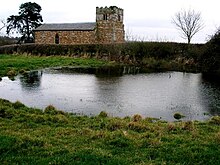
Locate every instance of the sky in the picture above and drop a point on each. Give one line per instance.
(145, 20)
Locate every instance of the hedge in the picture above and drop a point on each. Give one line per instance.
(133, 50)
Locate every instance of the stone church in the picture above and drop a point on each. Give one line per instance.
(108, 28)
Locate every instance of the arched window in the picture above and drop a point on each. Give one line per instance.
(119, 18)
(57, 39)
(105, 17)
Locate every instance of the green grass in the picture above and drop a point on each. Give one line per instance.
(33, 136)
(19, 63)
(50, 136)
(11, 65)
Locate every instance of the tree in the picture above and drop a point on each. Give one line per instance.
(27, 19)
(210, 59)
(3, 24)
(188, 22)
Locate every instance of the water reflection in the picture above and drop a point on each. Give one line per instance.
(211, 86)
(101, 72)
(31, 80)
(110, 87)
(120, 94)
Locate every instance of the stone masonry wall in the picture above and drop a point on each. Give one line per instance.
(110, 27)
(65, 37)
(110, 32)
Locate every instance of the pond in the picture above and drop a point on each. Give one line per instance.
(158, 95)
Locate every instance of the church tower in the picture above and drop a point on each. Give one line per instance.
(109, 25)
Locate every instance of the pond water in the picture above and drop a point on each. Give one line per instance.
(157, 95)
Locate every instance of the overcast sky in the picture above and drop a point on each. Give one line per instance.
(144, 19)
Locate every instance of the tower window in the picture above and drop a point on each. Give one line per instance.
(105, 17)
(57, 39)
(119, 18)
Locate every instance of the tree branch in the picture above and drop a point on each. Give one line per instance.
(4, 24)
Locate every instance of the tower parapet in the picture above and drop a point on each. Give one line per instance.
(112, 13)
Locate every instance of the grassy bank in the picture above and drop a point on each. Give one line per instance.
(13, 64)
(159, 55)
(33, 136)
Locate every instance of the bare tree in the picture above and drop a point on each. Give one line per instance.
(3, 24)
(188, 22)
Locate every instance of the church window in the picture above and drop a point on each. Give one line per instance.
(57, 39)
(105, 17)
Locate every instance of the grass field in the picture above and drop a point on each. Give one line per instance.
(50, 136)
(13, 64)
(33, 136)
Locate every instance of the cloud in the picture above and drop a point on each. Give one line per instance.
(145, 18)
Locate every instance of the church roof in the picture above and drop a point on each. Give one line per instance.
(67, 27)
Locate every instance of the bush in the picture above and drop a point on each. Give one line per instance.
(38, 118)
(11, 73)
(4, 40)
(137, 118)
(115, 125)
(171, 127)
(189, 125)
(50, 109)
(210, 59)
(61, 119)
(103, 114)
(23, 71)
(138, 127)
(134, 51)
(217, 137)
(178, 116)
(18, 105)
(2, 112)
(215, 120)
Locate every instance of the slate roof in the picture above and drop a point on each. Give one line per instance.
(67, 27)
